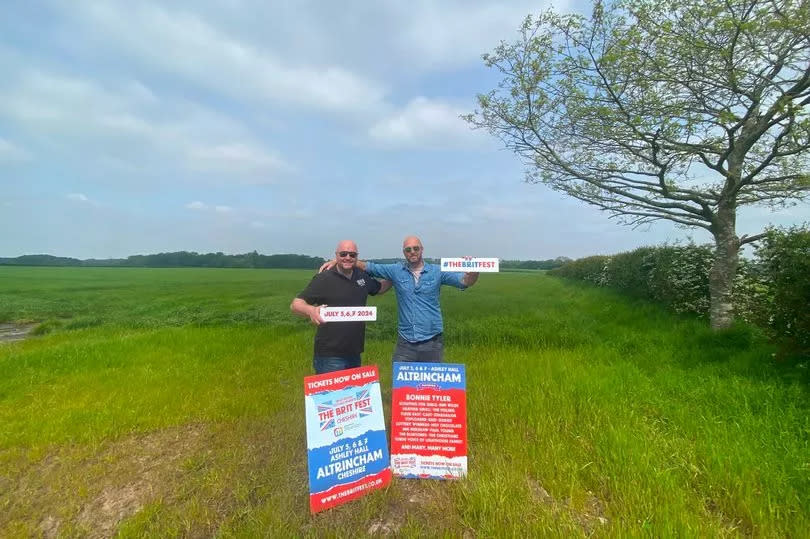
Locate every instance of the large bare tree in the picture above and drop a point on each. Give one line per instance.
(663, 109)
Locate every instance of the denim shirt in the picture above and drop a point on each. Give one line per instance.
(420, 317)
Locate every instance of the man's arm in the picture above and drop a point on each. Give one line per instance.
(458, 279)
(385, 286)
(329, 264)
(377, 287)
(302, 308)
(468, 278)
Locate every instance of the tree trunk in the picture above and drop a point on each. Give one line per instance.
(724, 268)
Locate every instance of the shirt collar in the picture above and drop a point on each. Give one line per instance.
(340, 274)
(407, 267)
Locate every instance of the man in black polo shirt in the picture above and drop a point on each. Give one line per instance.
(338, 345)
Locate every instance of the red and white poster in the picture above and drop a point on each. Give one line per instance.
(429, 421)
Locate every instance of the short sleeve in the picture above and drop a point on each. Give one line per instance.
(373, 286)
(312, 294)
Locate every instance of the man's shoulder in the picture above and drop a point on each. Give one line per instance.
(324, 276)
(376, 267)
(316, 285)
(367, 281)
(362, 274)
(397, 264)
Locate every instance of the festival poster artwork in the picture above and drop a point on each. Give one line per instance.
(349, 314)
(347, 448)
(429, 421)
(481, 265)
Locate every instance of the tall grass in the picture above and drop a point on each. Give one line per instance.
(179, 410)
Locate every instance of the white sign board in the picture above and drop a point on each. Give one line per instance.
(348, 314)
(482, 265)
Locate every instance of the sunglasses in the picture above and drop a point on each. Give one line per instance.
(415, 249)
(350, 254)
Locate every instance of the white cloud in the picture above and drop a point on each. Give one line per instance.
(344, 57)
(239, 158)
(202, 206)
(186, 45)
(425, 123)
(11, 152)
(78, 197)
(383, 40)
(451, 34)
(131, 122)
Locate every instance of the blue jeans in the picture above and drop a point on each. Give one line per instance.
(324, 364)
(429, 351)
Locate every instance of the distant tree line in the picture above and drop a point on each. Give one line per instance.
(535, 264)
(190, 259)
(179, 259)
(41, 260)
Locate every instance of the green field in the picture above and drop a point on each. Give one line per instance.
(165, 402)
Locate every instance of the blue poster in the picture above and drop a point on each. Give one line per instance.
(347, 447)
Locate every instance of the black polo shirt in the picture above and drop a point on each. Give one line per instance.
(332, 288)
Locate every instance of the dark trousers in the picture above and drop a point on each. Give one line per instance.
(429, 351)
(324, 364)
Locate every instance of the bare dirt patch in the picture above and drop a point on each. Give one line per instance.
(89, 492)
(15, 332)
(406, 496)
(114, 504)
(422, 500)
(49, 527)
(589, 517)
(731, 525)
(148, 464)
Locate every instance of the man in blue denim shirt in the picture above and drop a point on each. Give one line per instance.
(417, 285)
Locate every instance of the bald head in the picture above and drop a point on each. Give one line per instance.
(346, 245)
(410, 241)
(412, 249)
(346, 256)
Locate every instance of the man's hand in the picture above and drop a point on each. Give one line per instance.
(302, 308)
(329, 264)
(470, 277)
(315, 314)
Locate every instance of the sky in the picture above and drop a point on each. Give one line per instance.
(282, 127)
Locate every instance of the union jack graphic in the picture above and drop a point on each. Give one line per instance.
(365, 410)
(330, 422)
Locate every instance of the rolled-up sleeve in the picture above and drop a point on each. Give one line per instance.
(454, 278)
